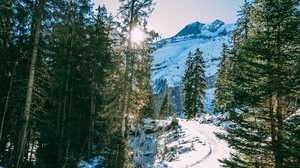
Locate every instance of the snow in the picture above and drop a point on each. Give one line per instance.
(209, 100)
(93, 162)
(190, 144)
(169, 60)
(145, 144)
(297, 113)
(168, 65)
(197, 146)
(193, 144)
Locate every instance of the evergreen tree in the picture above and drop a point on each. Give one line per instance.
(131, 91)
(55, 58)
(6, 62)
(37, 21)
(80, 55)
(223, 97)
(291, 141)
(263, 68)
(166, 107)
(7, 77)
(194, 84)
(243, 22)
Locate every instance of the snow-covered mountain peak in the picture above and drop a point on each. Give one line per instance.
(193, 28)
(214, 26)
(198, 30)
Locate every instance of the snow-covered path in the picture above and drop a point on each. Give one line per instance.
(207, 149)
(218, 149)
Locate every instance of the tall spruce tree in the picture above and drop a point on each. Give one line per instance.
(131, 87)
(6, 62)
(55, 57)
(166, 107)
(194, 84)
(262, 73)
(37, 23)
(223, 97)
(80, 53)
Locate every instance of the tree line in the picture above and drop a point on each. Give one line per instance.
(259, 86)
(71, 81)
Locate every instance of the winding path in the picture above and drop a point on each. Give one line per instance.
(218, 149)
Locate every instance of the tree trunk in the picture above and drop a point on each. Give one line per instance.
(62, 127)
(30, 86)
(279, 116)
(7, 101)
(127, 89)
(273, 126)
(69, 131)
(128, 85)
(92, 120)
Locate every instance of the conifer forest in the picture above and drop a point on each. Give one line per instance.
(75, 84)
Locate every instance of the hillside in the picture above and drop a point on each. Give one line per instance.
(169, 59)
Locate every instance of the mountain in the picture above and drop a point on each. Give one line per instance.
(169, 59)
(197, 28)
(193, 28)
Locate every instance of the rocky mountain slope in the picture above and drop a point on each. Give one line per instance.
(169, 59)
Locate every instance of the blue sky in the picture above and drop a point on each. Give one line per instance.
(170, 16)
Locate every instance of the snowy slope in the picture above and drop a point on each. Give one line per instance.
(170, 57)
(169, 61)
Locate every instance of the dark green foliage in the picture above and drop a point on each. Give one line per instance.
(83, 75)
(223, 92)
(291, 141)
(259, 77)
(130, 89)
(148, 110)
(194, 84)
(166, 107)
(73, 60)
(173, 124)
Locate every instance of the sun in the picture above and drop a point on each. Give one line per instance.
(137, 35)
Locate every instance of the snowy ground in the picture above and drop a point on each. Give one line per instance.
(93, 162)
(190, 144)
(197, 146)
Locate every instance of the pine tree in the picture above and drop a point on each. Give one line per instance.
(80, 49)
(244, 22)
(223, 97)
(291, 141)
(166, 107)
(194, 84)
(263, 68)
(130, 92)
(99, 63)
(69, 50)
(7, 67)
(137, 58)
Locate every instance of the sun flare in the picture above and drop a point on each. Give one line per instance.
(137, 35)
